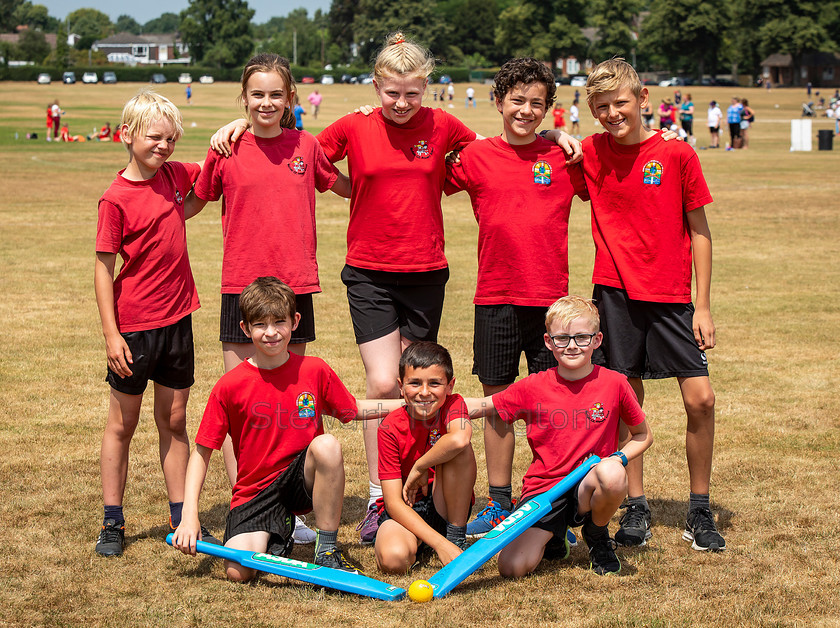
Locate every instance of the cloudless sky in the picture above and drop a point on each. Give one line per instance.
(150, 9)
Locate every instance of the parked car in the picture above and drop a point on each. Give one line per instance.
(562, 80)
(307, 80)
(90, 77)
(205, 79)
(44, 79)
(364, 79)
(347, 78)
(109, 77)
(327, 79)
(578, 81)
(184, 78)
(69, 77)
(158, 78)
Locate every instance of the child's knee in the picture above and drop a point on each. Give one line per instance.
(381, 385)
(612, 479)
(700, 402)
(327, 451)
(394, 560)
(238, 573)
(514, 566)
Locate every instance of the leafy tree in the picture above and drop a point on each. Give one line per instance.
(90, 23)
(297, 26)
(418, 19)
(688, 33)
(166, 23)
(614, 23)
(35, 16)
(474, 27)
(340, 19)
(127, 24)
(62, 49)
(521, 32)
(33, 46)
(795, 35)
(218, 32)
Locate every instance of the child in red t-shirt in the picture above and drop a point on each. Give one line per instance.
(271, 406)
(146, 310)
(649, 225)
(426, 464)
(570, 412)
(559, 116)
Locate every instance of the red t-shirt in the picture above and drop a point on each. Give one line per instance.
(143, 221)
(559, 120)
(268, 211)
(403, 441)
(566, 421)
(271, 415)
(398, 172)
(640, 197)
(521, 197)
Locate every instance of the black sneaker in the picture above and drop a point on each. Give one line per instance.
(634, 525)
(602, 558)
(557, 547)
(111, 538)
(701, 530)
(336, 560)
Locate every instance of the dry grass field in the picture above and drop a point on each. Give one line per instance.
(775, 481)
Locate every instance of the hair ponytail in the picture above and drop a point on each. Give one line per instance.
(402, 57)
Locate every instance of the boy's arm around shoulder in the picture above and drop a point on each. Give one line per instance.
(189, 530)
(701, 250)
(376, 408)
(641, 438)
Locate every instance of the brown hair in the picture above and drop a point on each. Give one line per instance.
(524, 70)
(610, 75)
(270, 62)
(425, 354)
(264, 297)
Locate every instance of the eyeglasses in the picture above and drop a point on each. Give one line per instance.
(561, 341)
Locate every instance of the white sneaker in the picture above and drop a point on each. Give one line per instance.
(303, 535)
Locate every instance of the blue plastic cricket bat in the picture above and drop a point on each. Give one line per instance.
(472, 558)
(305, 572)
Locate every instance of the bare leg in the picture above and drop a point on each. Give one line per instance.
(635, 468)
(699, 400)
(524, 553)
(323, 473)
(250, 542)
(454, 481)
(396, 548)
(123, 415)
(499, 444)
(171, 421)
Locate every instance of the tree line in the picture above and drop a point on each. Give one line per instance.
(691, 37)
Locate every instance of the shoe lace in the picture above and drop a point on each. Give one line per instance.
(494, 513)
(633, 517)
(335, 556)
(603, 550)
(702, 519)
(372, 513)
(110, 534)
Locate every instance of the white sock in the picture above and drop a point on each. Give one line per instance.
(375, 493)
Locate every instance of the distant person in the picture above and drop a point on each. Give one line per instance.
(470, 97)
(299, 112)
(713, 120)
(559, 116)
(450, 90)
(189, 93)
(647, 114)
(574, 118)
(315, 99)
(733, 119)
(677, 97)
(56, 113)
(687, 118)
(747, 118)
(666, 114)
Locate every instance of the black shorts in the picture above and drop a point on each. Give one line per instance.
(230, 331)
(273, 509)
(164, 355)
(381, 302)
(688, 126)
(502, 333)
(646, 339)
(563, 514)
(427, 511)
(735, 129)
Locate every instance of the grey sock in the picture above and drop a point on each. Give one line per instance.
(456, 534)
(502, 496)
(638, 501)
(325, 541)
(696, 501)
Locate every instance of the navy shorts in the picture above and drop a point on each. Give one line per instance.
(563, 514)
(230, 331)
(381, 302)
(646, 339)
(164, 355)
(273, 509)
(502, 333)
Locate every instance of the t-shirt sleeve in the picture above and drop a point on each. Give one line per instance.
(109, 227)
(578, 182)
(456, 178)
(694, 188)
(389, 450)
(459, 134)
(336, 399)
(325, 172)
(630, 411)
(511, 404)
(193, 170)
(208, 187)
(214, 423)
(333, 139)
(456, 410)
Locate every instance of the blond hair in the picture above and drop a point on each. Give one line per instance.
(401, 57)
(611, 75)
(141, 112)
(567, 309)
(270, 62)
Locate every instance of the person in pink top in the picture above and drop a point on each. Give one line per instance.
(315, 99)
(146, 310)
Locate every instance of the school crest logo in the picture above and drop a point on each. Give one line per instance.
(422, 150)
(652, 173)
(297, 165)
(306, 405)
(596, 413)
(179, 200)
(434, 436)
(542, 173)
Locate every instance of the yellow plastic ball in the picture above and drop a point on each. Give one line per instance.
(420, 591)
